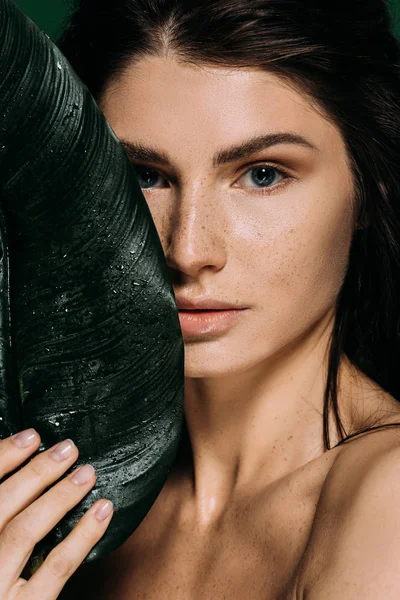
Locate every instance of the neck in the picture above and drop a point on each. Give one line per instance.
(254, 427)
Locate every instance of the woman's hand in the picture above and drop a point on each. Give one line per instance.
(25, 518)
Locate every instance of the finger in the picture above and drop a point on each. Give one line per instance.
(23, 487)
(15, 450)
(20, 535)
(65, 558)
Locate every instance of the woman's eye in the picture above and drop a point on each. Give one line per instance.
(146, 176)
(258, 176)
(264, 176)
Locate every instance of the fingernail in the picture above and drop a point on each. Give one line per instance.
(104, 510)
(82, 475)
(62, 450)
(24, 438)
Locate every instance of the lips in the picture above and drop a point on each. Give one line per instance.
(207, 322)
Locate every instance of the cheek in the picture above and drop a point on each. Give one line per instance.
(301, 267)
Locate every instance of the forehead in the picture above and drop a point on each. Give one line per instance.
(159, 96)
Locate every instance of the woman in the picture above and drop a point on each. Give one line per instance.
(266, 139)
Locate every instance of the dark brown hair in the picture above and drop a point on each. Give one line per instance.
(345, 56)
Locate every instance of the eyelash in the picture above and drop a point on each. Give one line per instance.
(267, 190)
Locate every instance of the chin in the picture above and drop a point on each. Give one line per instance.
(204, 362)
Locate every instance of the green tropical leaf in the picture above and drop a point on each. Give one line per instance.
(90, 341)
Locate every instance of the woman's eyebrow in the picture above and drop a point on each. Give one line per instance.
(224, 155)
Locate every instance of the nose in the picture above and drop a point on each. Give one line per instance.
(197, 234)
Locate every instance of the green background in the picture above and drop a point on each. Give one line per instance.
(49, 14)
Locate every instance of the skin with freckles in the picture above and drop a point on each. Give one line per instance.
(269, 231)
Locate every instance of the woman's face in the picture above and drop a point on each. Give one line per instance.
(268, 229)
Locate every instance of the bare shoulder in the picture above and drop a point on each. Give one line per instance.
(354, 547)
